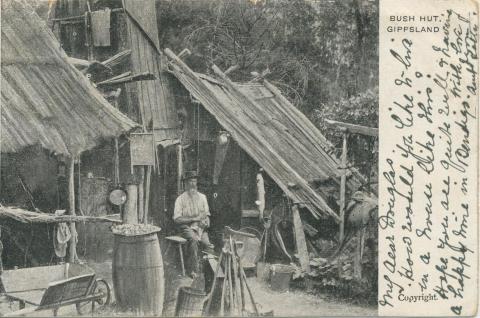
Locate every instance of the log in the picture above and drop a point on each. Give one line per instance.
(356, 129)
(24, 216)
(300, 240)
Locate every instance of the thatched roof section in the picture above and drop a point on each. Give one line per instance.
(272, 131)
(45, 100)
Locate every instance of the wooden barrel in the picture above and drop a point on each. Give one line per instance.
(138, 277)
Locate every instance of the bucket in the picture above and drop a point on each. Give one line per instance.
(189, 302)
(263, 271)
(280, 276)
(138, 277)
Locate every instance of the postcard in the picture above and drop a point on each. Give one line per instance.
(191, 158)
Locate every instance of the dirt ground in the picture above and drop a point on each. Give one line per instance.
(299, 303)
(288, 304)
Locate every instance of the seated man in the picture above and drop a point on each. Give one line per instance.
(191, 214)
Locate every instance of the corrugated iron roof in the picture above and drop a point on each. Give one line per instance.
(272, 131)
(45, 100)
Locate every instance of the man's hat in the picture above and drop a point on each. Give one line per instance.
(190, 175)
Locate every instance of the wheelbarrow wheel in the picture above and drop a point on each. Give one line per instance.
(88, 307)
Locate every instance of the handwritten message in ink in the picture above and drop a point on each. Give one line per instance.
(428, 219)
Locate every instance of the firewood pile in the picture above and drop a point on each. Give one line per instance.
(326, 272)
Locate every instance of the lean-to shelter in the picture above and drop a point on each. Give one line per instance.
(272, 131)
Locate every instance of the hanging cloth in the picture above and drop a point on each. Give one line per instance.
(101, 27)
(61, 236)
(260, 202)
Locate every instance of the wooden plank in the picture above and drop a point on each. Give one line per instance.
(117, 58)
(300, 240)
(124, 78)
(356, 129)
(155, 98)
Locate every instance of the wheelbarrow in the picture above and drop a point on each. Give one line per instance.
(52, 287)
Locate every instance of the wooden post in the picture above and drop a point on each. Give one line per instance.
(130, 215)
(357, 261)
(116, 171)
(88, 35)
(141, 197)
(179, 168)
(147, 194)
(300, 241)
(343, 182)
(71, 205)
